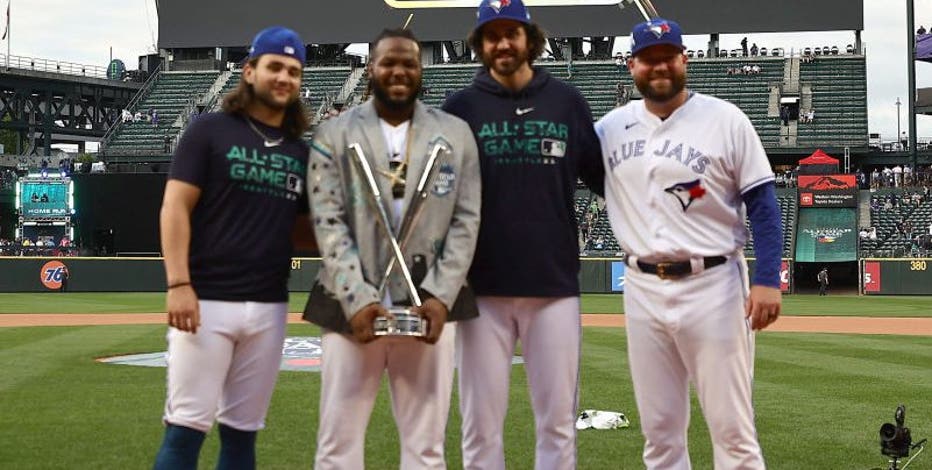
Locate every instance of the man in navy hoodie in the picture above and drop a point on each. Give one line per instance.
(535, 137)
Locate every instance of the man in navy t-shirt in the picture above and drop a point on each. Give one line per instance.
(234, 206)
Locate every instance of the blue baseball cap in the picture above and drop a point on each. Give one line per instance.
(491, 10)
(278, 40)
(654, 32)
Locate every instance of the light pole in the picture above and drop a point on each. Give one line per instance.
(898, 121)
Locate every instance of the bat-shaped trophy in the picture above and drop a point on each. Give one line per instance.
(404, 321)
(645, 6)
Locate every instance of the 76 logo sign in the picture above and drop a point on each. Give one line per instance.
(51, 274)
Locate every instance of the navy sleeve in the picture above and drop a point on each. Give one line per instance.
(591, 168)
(764, 214)
(189, 164)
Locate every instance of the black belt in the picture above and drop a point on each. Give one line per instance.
(678, 269)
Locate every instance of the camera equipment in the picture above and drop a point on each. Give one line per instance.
(896, 441)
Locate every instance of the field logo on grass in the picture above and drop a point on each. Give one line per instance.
(51, 274)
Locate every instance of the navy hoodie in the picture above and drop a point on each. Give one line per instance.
(533, 144)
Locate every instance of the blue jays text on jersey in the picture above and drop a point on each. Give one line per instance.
(690, 157)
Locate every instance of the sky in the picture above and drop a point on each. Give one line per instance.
(64, 30)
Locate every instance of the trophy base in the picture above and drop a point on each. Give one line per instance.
(405, 323)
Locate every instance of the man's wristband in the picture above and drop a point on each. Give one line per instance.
(179, 284)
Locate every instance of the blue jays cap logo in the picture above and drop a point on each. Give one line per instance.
(687, 192)
(497, 5)
(659, 29)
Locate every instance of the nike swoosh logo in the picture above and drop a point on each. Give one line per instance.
(270, 144)
(629, 126)
(523, 111)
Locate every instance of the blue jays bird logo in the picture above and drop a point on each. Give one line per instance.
(687, 192)
(659, 29)
(497, 5)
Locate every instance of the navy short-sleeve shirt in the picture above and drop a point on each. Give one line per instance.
(251, 194)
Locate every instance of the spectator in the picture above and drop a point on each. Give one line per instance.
(863, 234)
(755, 69)
(137, 117)
(897, 176)
(620, 63)
(126, 115)
(754, 49)
(921, 30)
(744, 46)
(785, 115)
(810, 116)
(872, 233)
(155, 118)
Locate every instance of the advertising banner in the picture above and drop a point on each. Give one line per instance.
(871, 276)
(618, 276)
(828, 191)
(826, 235)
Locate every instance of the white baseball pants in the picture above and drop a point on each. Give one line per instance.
(420, 378)
(549, 330)
(228, 369)
(692, 330)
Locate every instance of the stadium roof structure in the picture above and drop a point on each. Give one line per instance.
(232, 23)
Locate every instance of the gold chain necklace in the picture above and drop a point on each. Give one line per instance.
(268, 142)
(395, 177)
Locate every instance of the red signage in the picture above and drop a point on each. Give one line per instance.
(827, 182)
(784, 276)
(871, 276)
(828, 190)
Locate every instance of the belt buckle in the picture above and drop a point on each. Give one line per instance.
(662, 271)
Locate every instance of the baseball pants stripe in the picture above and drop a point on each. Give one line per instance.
(228, 369)
(692, 330)
(420, 378)
(549, 331)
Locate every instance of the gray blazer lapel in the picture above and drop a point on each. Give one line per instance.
(376, 150)
(423, 132)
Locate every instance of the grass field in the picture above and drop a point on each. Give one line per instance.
(820, 398)
(149, 302)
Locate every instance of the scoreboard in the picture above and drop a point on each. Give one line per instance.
(45, 198)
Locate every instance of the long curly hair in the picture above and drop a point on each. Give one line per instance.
(296, 119)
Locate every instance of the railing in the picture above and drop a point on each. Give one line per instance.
(54, 66)
(144, 91)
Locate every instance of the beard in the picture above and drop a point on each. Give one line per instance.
(662, 95)
(384, 97)
(519, 58)
(268, 99)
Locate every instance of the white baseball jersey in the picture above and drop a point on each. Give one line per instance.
(684, 176)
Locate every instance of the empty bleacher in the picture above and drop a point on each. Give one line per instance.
(837, 85)
(839, 97)
(169, 96)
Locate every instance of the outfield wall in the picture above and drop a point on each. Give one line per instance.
(901, 276)
(41, 274)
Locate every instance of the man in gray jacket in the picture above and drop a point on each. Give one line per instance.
(397, 134)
